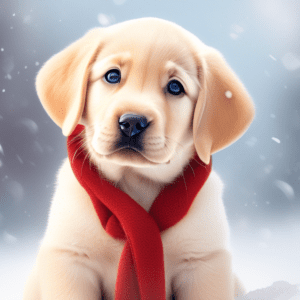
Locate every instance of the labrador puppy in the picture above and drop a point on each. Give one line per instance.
(155, 72)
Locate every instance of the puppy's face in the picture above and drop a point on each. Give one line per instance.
(146, 90)
(142, 91)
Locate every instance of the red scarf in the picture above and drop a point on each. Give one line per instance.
(141, 266)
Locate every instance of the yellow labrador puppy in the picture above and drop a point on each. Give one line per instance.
(148, 71)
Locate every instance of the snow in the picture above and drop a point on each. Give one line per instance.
(27, 19)
(16, 266)
(268, 169)
(271, 56)
(285, 188)
(105, 20)
(237, 28)
(234, 36)
(20, 159)
(280, 290)
(276, 140)
(237, 31)
(252, 141)
(29, 124)
(228, 94)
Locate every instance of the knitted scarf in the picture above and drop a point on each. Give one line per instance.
(141, 266)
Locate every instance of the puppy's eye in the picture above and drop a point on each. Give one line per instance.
(175, 87)
(113, 76)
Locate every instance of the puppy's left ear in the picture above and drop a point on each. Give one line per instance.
(224, 109)
(62, 82)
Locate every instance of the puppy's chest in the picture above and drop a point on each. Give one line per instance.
(182, 252)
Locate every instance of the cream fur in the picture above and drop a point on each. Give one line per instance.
(77, 258)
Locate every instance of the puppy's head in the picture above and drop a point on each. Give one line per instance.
(145, 90)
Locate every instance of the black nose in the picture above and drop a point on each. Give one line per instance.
(131, 124)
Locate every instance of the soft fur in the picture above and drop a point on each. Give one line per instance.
(77, 258)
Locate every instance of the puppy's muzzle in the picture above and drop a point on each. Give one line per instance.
(132, 126)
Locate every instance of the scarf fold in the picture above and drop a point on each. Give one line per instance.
(141, 266)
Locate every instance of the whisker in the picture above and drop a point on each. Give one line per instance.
(192, 169)
(184, 180)
(169, 138)
(76, 137)
(83, 161)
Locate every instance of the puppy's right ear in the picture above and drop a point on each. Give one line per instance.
(62, 82)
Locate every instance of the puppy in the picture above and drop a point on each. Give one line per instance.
(151, 78)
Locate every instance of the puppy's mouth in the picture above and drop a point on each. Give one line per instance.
(129, 156)
(129, 152)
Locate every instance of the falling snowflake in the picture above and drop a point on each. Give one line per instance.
(234, 36)
(252, 141)
(19, 159)
(2, 49)
(27, 19)
(237, 30)
(276, 140)
(271, 56)
(37, 147)
(268, 169)
(228, 94)
(285, 188)
(3, 91)
(105, 20)
(29, 124)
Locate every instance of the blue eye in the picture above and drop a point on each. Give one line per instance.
(175, 87)
(113, 76)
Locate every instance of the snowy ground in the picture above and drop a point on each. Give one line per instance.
(266, 262)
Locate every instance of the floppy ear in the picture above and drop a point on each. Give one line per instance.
(62, 82)
(224, 109)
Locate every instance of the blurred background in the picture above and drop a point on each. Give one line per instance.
(260, 40)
